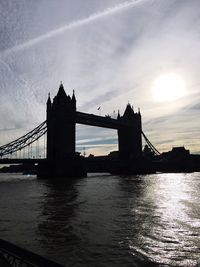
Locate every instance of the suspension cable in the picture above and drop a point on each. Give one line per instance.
(24, 140)
(150, 144)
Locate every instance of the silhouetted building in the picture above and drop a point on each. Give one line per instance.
(176, 160)
(130, 137)
(177, 153)
(61, 130)
(62, 159)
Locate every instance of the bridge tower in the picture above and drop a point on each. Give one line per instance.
(61, 130)
(62, 159)
(130, 137)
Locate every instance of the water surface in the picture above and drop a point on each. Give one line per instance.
(104, 220)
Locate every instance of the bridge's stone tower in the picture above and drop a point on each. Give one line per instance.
(61, 128)
(62, 159)
(130, 136)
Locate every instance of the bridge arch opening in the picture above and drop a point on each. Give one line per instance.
(97, 141)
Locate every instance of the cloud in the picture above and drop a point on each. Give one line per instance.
(122, 48)
(8, 129)
(72, 25)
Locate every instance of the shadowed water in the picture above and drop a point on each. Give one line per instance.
(105, 220)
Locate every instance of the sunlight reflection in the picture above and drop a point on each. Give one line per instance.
(172, 192)
(167, 229)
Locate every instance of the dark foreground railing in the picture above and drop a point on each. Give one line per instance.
(12, 255)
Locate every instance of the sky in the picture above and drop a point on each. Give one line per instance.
(110, 52)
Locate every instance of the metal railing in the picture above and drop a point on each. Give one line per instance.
(14, 256)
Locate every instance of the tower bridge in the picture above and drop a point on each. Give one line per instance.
(60, 128)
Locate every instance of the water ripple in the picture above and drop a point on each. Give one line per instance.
(105, 220)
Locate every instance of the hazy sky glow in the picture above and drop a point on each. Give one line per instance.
(110, 52)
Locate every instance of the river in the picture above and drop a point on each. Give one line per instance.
(105, 220)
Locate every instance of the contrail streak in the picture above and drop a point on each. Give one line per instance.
(72, 25)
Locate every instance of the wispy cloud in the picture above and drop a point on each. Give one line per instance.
(9, 129)
(72, 25)
(110, 55)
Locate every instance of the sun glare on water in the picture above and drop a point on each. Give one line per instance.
(168, 87)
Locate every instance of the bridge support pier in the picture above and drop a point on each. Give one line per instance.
(72, 167)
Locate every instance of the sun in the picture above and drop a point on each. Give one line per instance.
(168, 87)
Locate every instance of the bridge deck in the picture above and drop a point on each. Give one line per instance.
(20, 161)
(99, 121)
